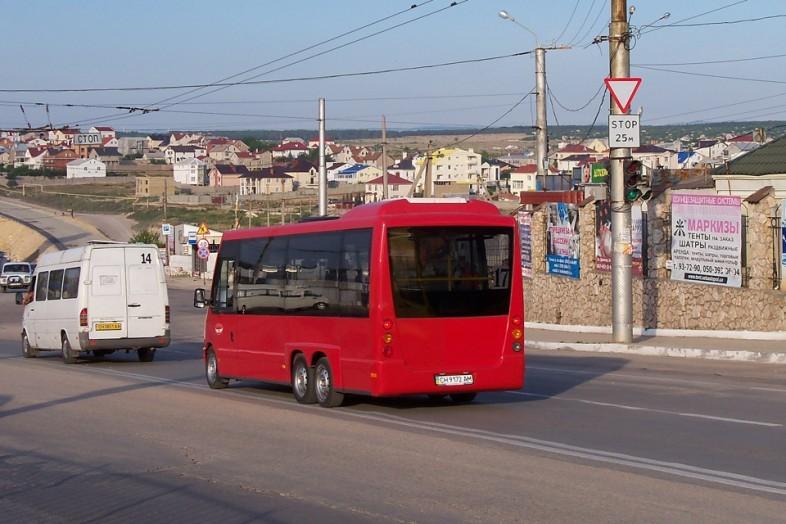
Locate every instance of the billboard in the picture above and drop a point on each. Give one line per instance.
(603, 238)
(87, 139)
(706, 239)
(562, 240)
(599, 173)
(525, 237)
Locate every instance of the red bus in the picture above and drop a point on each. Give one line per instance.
(407, 296)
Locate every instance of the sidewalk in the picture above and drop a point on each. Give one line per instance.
(748, 349)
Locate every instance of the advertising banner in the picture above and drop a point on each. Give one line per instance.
(603, 238)
(599, 173)
(706, 239)
(525, 234)
(562, 240)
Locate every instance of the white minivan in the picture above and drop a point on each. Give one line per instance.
(99, 298)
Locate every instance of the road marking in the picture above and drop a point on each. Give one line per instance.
(649, 410)
(648, 378)
(557, 448)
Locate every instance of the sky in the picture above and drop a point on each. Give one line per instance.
(58, 44)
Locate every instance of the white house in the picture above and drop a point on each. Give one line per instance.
(189, 171)
(290, 150)
(85, 168)
(105, 132)
(177, 153)
(524, 178)
(398, 187)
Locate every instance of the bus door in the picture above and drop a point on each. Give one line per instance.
(223, 324)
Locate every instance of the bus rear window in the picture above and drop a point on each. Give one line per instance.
(450, 271)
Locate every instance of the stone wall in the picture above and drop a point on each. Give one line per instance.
(659, 302)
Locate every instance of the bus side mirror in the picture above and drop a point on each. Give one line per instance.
(20, 298)
(199, 298)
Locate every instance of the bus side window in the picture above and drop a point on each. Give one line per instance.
(224, 286)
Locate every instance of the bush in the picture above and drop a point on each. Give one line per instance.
(146, 236)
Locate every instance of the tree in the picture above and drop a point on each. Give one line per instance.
(146, 236)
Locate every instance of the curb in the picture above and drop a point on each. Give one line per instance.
(663, 332)
(664, 351)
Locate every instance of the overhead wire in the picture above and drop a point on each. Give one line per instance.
(583, 106)
(711, 11)
(728, 22)
(711, 75)
(581, 27)
(708, 62)
(570, 19)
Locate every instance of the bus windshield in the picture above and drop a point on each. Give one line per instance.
(450, 271)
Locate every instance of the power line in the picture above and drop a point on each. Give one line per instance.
(723, 106)
(583, 23)
(503, 115)
(710, 75)
(576, 110)
(711, 11)
(706, 62)
(726, 22)
(589, 31)
(570, 19)
(594, 120)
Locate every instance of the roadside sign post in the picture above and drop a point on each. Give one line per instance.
(624, 131)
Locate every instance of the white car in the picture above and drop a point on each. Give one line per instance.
(98, 298)
(15, 275)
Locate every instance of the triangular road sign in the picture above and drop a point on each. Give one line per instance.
(203, 230)
(622, 91)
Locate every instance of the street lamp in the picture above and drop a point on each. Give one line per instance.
(506, 16)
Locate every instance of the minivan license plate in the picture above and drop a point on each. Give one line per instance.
(108, 326)
(453, 380)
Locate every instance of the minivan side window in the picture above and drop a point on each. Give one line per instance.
(55, 284)
(41, 286)
(71, 283)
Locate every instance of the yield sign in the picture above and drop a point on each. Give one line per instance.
(622, 91)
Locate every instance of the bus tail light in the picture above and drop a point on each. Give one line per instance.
(517, 346)
(166, 314)
(517, 333)
(387, 338)
(83, 317)
(387, 324)
(516, 321)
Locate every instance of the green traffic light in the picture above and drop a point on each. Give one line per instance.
(632, 194)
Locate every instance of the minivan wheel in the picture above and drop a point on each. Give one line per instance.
(69, 357)
(146, 354)
(214, 379)
(27, 350)
(326, 393)
(303, 381)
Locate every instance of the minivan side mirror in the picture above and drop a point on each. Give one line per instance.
(199, 298)
(20, 298)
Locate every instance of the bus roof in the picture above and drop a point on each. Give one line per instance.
(449, 209)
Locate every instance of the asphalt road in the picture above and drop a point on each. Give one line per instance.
(591, 438)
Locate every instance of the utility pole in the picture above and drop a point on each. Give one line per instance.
(427, 185)
(621, 277)
(384, 160)
(322, 165)
(542, 131)
(165, 197)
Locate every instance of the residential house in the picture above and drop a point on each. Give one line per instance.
(454, 166)
(108, 155)
(290, 150)
(398, 187)
(63, 136)
(154, 186)
(357, 174)
(690, 160)
(110, 141)
(567, 150)
(105, 132)
(178, 153)
(5, 156)
(157, 142)
(85, 168)
(243, 158)
(154, 156)
(655, 157)
(766, 166)
(58, 158)
(566, 164)
(524, 178)
(266, 181)
(404, 168)
(132, 145)
(303, 173)
(375, 159)
(518, 159)
(189, 171)
(226, 175)
(599, 145)
(34, 157)
(184, 139)
(714, 151)
(352, 154)
(313, 143)
(334, 168)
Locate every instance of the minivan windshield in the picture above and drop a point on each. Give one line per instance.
(16, 268)
(450, 271)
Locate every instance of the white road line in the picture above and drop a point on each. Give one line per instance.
(649, 410)
(641, 463)
(646, 378)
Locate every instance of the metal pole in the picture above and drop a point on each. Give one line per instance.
(384, 160)
(541, 153)
(322, 166)
(427, 186)
(621, 278)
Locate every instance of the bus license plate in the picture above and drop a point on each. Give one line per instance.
(454, 380)
(108, 326)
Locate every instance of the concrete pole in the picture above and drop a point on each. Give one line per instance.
(541, 153)
(384, 160)
(621, 274)
(322, 165)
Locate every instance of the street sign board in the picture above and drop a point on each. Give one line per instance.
(87, 139)
(166, 229)
(203, 243)
(622, 91)
(624, 131)
(203, 230)
(203, 254)
(192, 237)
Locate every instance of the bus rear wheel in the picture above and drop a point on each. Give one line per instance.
(214, 379)
(303, 381)
(463, 398)
(28, 351)
(69, 357)
(325, 390)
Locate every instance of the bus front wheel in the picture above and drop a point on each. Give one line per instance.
(325, 390)
(214, 379)
(303, 381)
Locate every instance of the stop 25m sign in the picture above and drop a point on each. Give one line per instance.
(624, 131)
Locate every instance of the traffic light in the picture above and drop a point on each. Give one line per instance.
(637, 181)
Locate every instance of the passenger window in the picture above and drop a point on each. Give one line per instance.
(262, 274)
(41, 286)
(312, 274)
(55, 285)
(71, 283)
(354, 273)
